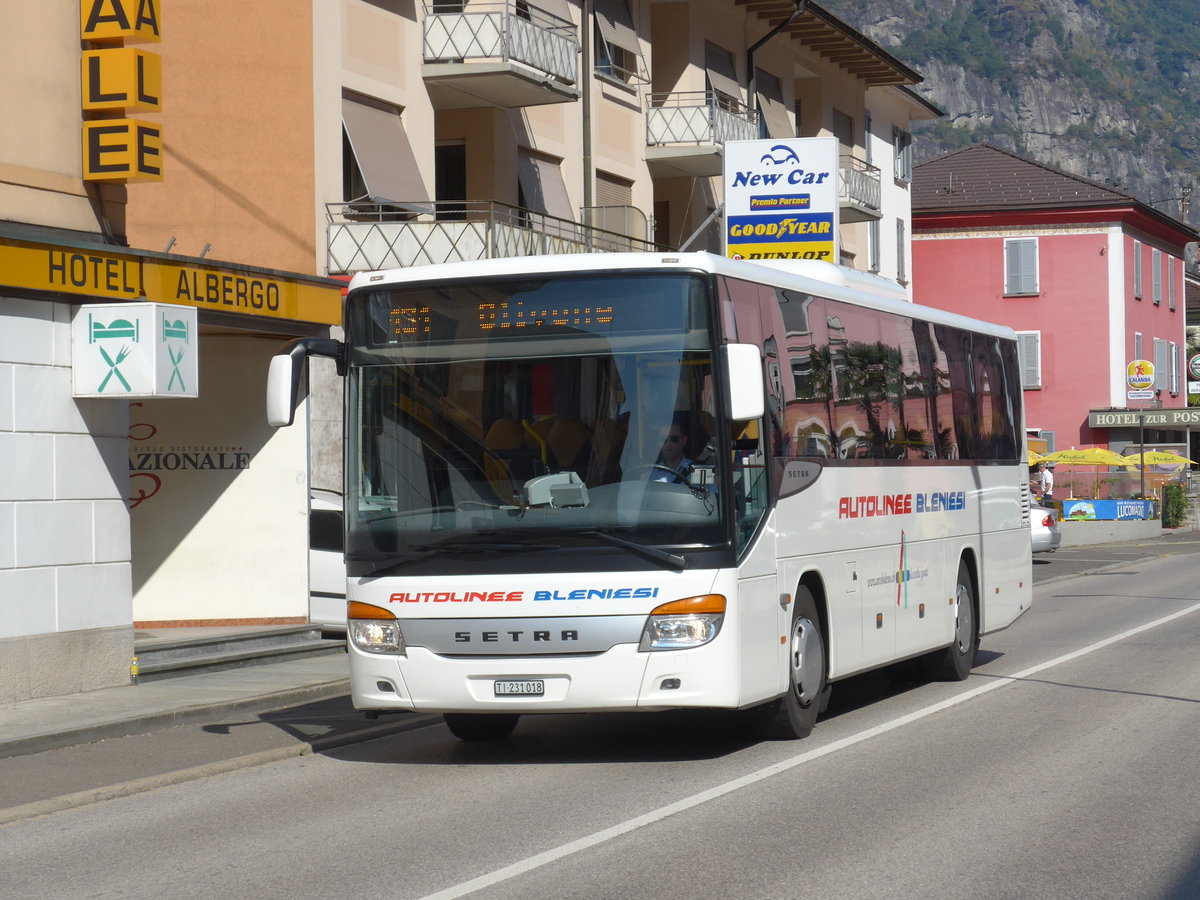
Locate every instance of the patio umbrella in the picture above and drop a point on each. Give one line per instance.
(1035, 457)
(1158, 458)
(1088, 456)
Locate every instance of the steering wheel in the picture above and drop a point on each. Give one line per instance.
(698, 489)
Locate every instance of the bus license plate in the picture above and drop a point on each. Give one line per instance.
(530, 688)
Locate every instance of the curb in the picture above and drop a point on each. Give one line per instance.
(140, 785)
(88, 734)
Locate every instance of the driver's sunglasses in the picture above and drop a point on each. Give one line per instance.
(673, 438)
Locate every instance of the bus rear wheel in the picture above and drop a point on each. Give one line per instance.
(794, 714)
(954, 662)
(481, 726)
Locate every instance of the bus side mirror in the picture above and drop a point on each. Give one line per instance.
(744, 364)
(283, 376)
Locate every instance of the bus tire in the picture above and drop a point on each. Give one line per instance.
(954, 663)
(794, 714)
(481, 726)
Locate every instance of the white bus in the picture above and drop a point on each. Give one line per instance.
(621, 482)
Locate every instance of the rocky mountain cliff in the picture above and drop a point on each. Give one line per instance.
(1107, 89)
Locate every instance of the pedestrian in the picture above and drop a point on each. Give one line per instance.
(1047, 482)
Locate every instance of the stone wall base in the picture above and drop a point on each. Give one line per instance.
(1105, 531)
(69, 662)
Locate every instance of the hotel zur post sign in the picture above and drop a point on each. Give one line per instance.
(117, 82)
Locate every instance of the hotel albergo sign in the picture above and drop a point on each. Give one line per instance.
(99, 272)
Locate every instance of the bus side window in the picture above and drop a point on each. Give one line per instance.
(750, 482)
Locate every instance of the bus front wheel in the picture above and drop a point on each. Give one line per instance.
(954, 662)
(481, 726)
(795, 713)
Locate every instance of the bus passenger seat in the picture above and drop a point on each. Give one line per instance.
(569, 443)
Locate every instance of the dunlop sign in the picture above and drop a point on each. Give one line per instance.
(119, 80)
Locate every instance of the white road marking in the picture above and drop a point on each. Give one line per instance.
(663, 812)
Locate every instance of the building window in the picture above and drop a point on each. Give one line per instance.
(615, 47)
(1137, 270)
(721, 78)
(1156, 275)
(1137, 345)
(1020, 266)
(902, 150)
(1029, 352)
(843, 130)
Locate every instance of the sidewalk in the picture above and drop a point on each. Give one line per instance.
(46, 723)
(31, 726)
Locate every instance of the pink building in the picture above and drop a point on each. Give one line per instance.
(1090, 277)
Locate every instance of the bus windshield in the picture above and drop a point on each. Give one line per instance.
(532, 413)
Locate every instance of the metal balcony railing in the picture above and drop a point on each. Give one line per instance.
(698, 117)
(497, 30)
(859, 184)
(371, 235)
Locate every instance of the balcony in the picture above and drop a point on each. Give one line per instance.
(498, 54)
(367, 235)
(685, 132)
(859, 191)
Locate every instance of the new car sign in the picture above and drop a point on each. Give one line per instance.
(781, 199)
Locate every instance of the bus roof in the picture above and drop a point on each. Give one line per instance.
(809, 276)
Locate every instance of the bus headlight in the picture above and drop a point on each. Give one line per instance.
(682, 624)
(373, 629)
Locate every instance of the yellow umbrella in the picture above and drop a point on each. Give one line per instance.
(1035, 457)
(1087, 456)
(1158, 458)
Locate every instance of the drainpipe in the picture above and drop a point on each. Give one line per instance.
(752, 91)
(585, 81)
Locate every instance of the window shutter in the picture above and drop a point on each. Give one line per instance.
(1029, 349)
(1171, 281)
(1020, 266)
(1137, 269)
(1156, 274)
(1162, 363)
(1173, 379)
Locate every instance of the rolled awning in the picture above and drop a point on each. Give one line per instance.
(542, 183)
(383, 152)
(718, 65)
(770, 102)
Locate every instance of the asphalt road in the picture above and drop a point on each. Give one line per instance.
(1065, 766)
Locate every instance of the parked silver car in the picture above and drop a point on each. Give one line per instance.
(1043, 524)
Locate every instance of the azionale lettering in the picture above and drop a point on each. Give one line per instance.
(227, 290)
(174, 462)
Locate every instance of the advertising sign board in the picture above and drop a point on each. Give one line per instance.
(781, 199)
(134, 350)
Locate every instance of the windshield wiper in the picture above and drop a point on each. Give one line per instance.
(671, 559)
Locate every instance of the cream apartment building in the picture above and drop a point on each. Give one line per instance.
(299, 141)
